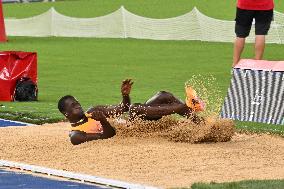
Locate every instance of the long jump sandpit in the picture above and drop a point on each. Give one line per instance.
(149, 160)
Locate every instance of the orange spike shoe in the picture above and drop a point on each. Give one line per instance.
(193, 101)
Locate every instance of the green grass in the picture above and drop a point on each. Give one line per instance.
(256, 184)
(92, 69)
(260, 128)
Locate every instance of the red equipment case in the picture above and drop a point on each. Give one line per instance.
(13, 66)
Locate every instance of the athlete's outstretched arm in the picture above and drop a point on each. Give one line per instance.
(108, 130)
(78, 137)
(116, 110)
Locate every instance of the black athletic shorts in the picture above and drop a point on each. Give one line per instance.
(244, 19)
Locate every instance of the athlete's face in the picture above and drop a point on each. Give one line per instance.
(73, 110)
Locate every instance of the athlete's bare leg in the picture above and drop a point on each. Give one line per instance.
(163, 97)
(162, 104)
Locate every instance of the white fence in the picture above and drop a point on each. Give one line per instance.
(124, 24)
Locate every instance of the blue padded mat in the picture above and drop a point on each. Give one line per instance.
(19, 180)
(6, 123)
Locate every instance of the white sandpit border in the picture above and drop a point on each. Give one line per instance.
(72, 175)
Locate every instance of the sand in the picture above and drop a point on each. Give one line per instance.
(154, 159)
(178, 130)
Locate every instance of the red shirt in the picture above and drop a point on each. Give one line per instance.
(256, 4)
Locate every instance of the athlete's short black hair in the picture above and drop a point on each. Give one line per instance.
(61, 102)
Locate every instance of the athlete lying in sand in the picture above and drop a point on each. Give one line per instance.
(93, 124)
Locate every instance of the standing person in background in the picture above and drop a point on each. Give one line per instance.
(247, 10)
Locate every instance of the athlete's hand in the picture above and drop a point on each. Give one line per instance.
(126, 87)
(98, 115)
